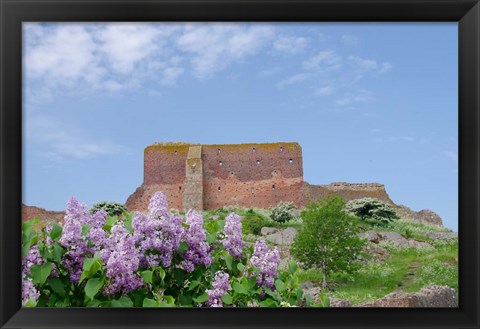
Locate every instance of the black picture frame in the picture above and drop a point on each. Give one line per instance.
(14, 12)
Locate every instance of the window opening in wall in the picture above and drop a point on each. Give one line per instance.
(281, 148)
(254, 150)
(232, 173)
(218, 151)
(220, 163)
(258, 162)
(219, 188)
(290, 160)
(175, 152)
(180, 188)
(273, 187)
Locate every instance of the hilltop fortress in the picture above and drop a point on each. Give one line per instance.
(207, 177)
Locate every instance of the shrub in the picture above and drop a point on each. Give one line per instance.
(283, 212)
(158, 259)
(253, 222)
(328, 240)
(371, 209)
(112, 208)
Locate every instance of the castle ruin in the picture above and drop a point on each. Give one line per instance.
(207, 177)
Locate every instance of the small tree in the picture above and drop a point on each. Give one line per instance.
(371, 209)
(112, 208)
(328, 240)
(283, 212)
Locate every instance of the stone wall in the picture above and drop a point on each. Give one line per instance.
(248, 175)
(348, 191)
(252, 175)
(30, 212)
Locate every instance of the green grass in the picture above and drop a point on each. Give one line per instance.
(406, 270)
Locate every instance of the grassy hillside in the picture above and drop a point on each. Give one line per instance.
(406, 269)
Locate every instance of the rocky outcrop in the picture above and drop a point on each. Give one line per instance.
(394, 239)
(30, 212)
(348, 191)
(278, 236)
(432, 296)
(422, 216)
(443, 236)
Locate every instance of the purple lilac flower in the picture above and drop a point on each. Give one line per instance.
(33, 258)
(199, 251)
(157, 234)
(122, 263)
(72, 240)
(233, 235)
(220, 287)
(267, 261)
(28, 290)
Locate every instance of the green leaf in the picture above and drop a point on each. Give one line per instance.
(240, 267)
(40, 273)
(123, 301)
(148, 302)
(193, 284)
(94, 303)
(239, 289)
(252, 282)
(57, 252)
(268, 303)
(161, 272)
(30, 303)
(57, 286)
(93, 287)
(227, 299)
(185, 300)
(56, 231)
(147, 276)
(201, 299)
(228, 261)
(85, 229)
(170, 300)
(183, 247)
(211, 238)
(292, 266)
(279, 285)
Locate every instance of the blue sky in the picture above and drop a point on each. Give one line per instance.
(368, 102)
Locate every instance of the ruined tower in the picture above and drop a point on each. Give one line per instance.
(212, 176)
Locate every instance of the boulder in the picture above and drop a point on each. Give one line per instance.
(432, 296)
(282, 237)
(442, 235)
(268, 230)
(336, 302)
(371, 236)
(379, 254)
(394, 238)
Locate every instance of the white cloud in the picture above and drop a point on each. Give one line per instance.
(125, 45)
(290, 45)
(57, 141)
(62, 56)
(451, 155)
(361, 96)
(349, 40)
(215, 46)
(325, 60)
(409, 139)
(369, 65)
(324, 91)
(296, 78)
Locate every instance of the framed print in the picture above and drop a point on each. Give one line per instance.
(284, 164)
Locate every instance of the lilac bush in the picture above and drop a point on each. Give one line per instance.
(199, 251)
(233, 235)
(151, 259)
(267, 261)
(220, 287)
